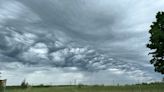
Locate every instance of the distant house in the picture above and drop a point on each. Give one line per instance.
(2, 84)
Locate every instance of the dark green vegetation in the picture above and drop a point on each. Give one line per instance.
(154, 87)
(157, 43)
(24, 84)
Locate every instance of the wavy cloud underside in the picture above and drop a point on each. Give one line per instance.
(85, 39)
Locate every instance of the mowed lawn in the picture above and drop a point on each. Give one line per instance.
(132, 88)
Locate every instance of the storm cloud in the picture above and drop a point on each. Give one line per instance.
(85, 39)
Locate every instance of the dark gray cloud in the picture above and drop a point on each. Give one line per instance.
(29, 49)
(78, 18)
(81, 37)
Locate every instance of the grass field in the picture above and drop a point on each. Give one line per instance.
(96, 88)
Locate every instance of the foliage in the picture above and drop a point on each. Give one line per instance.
(24, 84)
(157, 43)
(153, 87)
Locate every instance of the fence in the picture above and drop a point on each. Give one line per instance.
(2, 85)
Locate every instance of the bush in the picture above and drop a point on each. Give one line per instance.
(24, 84)
(80, 85)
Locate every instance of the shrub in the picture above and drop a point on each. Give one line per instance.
(24, 84)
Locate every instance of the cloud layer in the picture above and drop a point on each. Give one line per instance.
(85, 39)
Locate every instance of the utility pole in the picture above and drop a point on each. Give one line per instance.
(0, 75)
(163, 80)
(74, 81)
(113, 83)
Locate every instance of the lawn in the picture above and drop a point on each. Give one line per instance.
(96, 88)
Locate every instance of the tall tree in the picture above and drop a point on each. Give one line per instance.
(156, 43)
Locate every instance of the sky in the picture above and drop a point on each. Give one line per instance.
(77, 41)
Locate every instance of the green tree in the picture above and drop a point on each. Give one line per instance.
(24, 84)
(157, 43)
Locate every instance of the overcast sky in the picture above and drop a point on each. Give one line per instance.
(90, 41)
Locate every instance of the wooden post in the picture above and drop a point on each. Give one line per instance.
(2, 85)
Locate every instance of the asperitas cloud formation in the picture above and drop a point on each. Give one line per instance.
(95, 41)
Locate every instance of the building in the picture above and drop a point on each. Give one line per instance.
(2, 84)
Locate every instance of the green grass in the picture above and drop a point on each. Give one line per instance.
(82, 88)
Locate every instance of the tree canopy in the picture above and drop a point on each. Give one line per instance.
(156, 43)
